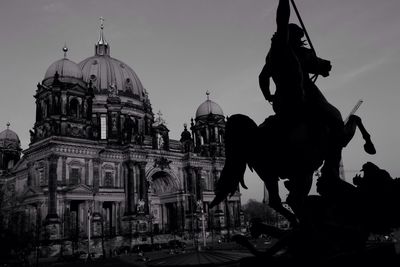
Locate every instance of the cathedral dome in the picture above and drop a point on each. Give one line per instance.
(65, 68)
(106, 73)
(209, 107)
(9, 139)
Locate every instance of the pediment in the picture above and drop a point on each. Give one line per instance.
(31, 191)
(79, 189)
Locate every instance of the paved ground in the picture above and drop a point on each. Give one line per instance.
(122, 260)
(136, 260)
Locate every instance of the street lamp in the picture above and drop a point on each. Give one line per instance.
(38, 222)
(151, 218)
(200, 210)
(89, 217)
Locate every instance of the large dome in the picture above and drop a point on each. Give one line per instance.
(106, 72)
(65, 69)
(209, 107)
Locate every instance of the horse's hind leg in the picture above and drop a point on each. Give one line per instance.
(350, 128)
(299, 188)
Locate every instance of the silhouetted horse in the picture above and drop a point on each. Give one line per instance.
(276, 150)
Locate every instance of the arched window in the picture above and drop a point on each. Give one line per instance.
(74, 108)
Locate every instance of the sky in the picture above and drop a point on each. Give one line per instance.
(182, 48)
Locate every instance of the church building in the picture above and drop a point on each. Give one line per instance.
(100, 163)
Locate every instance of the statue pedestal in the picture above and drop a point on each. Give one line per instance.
(52, 227)
(136, 228)
(128, 224)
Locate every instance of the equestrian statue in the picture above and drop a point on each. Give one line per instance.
(305, 133)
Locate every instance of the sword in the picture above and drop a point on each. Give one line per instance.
(354, 110)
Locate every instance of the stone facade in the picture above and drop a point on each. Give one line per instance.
(99, 159)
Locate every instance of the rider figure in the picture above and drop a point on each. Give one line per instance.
(289, 63)
(283, 66)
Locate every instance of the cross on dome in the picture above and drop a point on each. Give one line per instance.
(101, 22)
(102, 47)
(101, 39)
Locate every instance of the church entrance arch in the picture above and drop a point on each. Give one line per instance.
(162, 182)
(164, 208)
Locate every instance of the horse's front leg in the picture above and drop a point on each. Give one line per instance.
(350, 128)
(299, 187)
(275, 201)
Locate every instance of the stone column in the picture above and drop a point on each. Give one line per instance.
(52, 221)
(207, 136)
(30, 174)
(130, 190)
(96, 174)
(116, 171)
(117, 218)
(64, 103)
(192, 179)
(84, 108)
(64, 170)
(87, 171)
(199, 187)
(143, 186)
(38, 222)
(182, 208)
(52, 185)
(96, 206)
(192, 188)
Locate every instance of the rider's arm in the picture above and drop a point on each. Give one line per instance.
(282, 21)
(263, 80)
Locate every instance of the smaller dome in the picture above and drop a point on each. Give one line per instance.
(65, 69)
(209, 107)
(9, 140)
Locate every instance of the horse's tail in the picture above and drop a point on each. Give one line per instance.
(239, 131)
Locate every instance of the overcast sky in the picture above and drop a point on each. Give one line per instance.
(182, 48)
